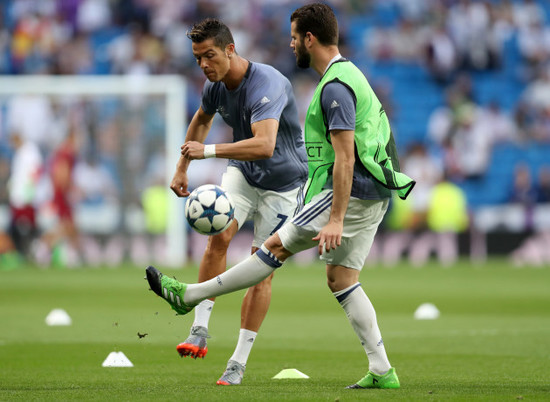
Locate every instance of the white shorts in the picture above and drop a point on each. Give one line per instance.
(269, 210)
(360, 225)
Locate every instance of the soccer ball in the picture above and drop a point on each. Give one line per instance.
(209, 209)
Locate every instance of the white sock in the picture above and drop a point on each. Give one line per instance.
(362, 317)
(244, 346)
(249, 272)
(202, 313)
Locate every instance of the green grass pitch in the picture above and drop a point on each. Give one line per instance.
(492, 341)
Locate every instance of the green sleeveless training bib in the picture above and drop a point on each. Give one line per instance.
(373, 137)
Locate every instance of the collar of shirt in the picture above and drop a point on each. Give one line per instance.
(337, 57)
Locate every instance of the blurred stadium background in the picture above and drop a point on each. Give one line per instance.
(84, 172)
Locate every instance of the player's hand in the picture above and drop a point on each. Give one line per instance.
(329, 237)
(192, 150)
(179, 184)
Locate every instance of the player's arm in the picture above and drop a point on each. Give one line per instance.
(340, 112)
(200, 126)
(260, 146)
(197, 131)
(343, 142)
(264, 118)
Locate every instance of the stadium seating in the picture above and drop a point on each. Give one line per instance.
(415, 95)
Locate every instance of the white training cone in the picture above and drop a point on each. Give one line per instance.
(290, 373)
(117, 359)
(58, 316)
(426, 311)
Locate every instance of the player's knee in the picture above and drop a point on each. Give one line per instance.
(275, 245)
(337, 283)
(340, 277)
(336, 286)
(219, 243)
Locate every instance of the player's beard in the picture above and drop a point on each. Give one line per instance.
(303, 58)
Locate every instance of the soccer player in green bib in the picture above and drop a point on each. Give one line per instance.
(353, 168)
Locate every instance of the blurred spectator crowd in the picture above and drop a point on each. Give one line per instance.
(466, 84)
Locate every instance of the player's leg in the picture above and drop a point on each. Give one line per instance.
(271, 255)
(288, 239)
(183, 297)
(212, 264)
(214, 259)
(253, 311)
(291, 238)
(255, 305)
(343, 268)
(345, 286)
(344, 264)
(272, 211)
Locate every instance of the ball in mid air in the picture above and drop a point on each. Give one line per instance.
(209, 209)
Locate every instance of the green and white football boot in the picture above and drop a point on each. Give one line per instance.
(169, 289)
(371, 380)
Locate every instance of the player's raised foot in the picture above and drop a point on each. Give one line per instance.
(233, 374)
(384, 381)
(169, 289)
(195, 344)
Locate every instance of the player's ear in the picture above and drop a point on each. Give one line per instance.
(230, 50)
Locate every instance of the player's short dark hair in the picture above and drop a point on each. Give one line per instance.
(211, 28)
(319, 19)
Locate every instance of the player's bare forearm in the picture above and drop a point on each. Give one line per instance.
(342, 178)
(343, 142)
(199, 127)
(180, 181)
(196, 134)
(330, 236)
(260, 146)
(197, 131)
(246, 150)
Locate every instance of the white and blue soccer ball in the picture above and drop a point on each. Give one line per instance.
(209, 209)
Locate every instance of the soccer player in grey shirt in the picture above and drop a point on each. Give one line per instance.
(265, 175)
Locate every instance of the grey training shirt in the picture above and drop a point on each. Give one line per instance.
(264, 93)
